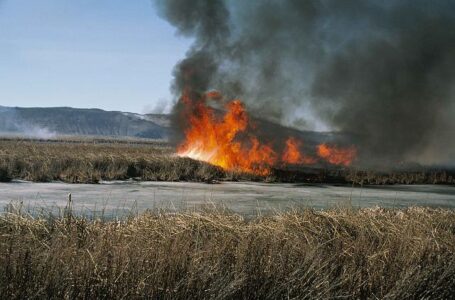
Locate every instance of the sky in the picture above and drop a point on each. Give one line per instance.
(108, 54)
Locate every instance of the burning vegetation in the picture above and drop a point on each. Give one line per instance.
(230, 140)
(292, 154)
(93, 160)
(378, 71)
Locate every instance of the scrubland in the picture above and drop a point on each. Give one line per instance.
(215, 254)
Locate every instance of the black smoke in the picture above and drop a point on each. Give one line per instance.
(381, 71)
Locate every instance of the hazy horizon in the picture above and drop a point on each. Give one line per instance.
(111, 55)
(151, 110)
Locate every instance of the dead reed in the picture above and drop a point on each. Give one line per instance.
(85, 162)
(344, 253)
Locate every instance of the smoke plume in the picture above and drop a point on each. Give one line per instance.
(381, 71)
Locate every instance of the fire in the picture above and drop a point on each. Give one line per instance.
(227, 139)
(292, 154)
(337, 156)
(220, 141)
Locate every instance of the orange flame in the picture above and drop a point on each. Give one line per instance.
(292, 154)
(336, 155)
(217, 141)
(228, 141)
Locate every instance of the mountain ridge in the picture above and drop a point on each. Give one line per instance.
(48, 122)
(53, 121)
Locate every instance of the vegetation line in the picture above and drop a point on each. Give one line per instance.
(83, 161)
(343, 253)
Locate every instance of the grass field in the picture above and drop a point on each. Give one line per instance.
(90, 160)
(343, 253)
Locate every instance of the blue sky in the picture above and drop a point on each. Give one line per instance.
(109, 54)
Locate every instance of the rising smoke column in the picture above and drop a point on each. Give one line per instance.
(393, 85)
(382, 71)
(207, 22)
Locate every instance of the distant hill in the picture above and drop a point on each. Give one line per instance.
(57, 121)
(48, 122)
(54, 121)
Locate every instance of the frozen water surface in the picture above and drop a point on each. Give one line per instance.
(119, 198)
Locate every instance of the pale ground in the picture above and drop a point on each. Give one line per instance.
(120, 198)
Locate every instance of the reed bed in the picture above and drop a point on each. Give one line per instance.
(215, 254)
(85, 162)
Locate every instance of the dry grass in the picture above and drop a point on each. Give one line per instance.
(85, 162)
(89, 160)
(370, 253)
(431, 176)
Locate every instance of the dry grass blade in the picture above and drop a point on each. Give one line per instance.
(370, 253)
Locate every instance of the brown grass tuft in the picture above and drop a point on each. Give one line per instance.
(354, 254)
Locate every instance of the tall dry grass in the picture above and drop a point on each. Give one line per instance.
(85, 162)
(347, 254)
(91, 160)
